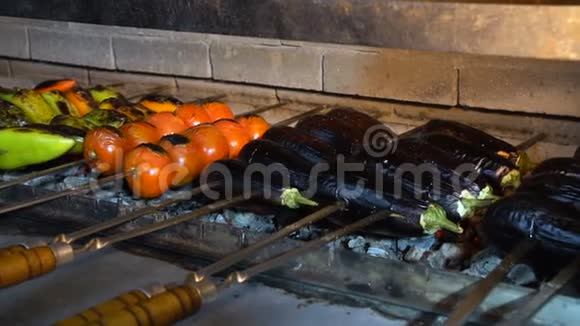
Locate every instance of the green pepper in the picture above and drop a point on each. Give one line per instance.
(101, 118)
(75, 122)
(23, 146)
(101, 93)
(59, 103)
(11, 115)
(31, 103)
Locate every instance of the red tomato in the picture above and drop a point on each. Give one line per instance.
(103, 149)
(137, 133)
(166, 123)
(148, 169)
(186, 157)
(235, 133)
(212, 143)
(218, 110)
(192, 115)
(255, 125)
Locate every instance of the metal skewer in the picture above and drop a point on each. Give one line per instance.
(546, 292)
(483, 287)
(240, 255)
(531, 142)
(177, 303)
(39, 174)
(295, 118)
(52, 196)
(26, 264)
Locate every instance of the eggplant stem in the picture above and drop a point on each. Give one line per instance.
(468, 202)
(292, 198)
(524, 163)
(511, 180)
(435, 218)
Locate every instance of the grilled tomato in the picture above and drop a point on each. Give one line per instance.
(160, 103)
(148, 171)
(137, 133)
(192, 115)
(218, 110)
(255, 125)
(103, 150)
(187, 158)
(212, 143)
(235, 133)
(166, 123)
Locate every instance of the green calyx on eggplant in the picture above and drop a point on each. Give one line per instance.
(434, 218)
(468, 203)
(233, 173)
(292, 198)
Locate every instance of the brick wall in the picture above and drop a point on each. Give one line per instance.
(409, 86)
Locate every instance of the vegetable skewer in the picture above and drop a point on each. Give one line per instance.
(84, 188)
(54, 169)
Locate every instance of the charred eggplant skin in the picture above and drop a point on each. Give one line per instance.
(346, 140)
(555, 227)
(494, 168)
(309, 148)
(557, 187)
(567, 166)
(464, 132)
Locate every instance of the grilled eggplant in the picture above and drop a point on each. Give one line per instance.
(557, 187)
(415, 217)
(474, 137)
(559, 165)
(309, 148)
(499, 171)
(345, 139)
(234, 178)
(555, 227)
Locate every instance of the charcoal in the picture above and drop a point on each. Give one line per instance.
(449, 255)
(483, 262)
(522, 274)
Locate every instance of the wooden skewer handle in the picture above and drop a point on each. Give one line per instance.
(165, 308)
(12, 250)
(108, 307)
(25, 264)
